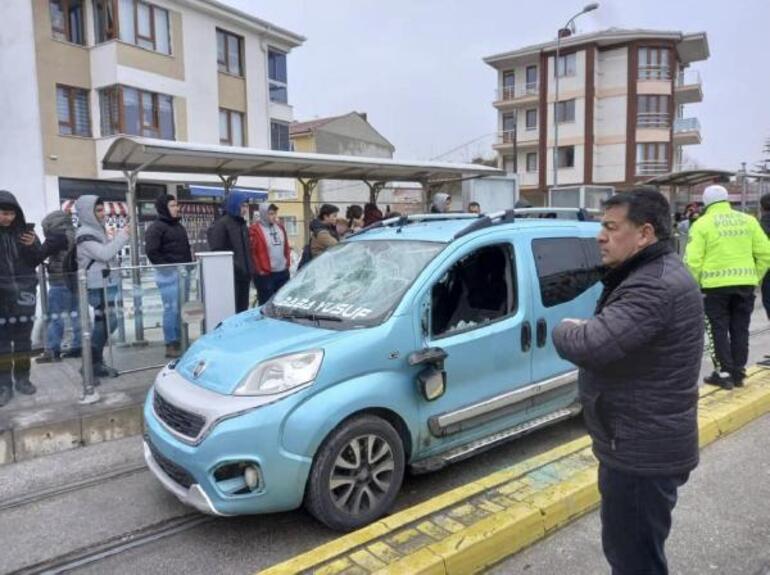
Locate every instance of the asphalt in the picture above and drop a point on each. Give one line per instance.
(721, 523)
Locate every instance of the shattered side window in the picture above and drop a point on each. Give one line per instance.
(359, 283)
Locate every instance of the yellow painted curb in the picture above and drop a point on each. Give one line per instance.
(476, 525)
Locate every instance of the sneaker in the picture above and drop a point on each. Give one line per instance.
(49, 356)
(738, 378)
(25, 387)
(72, 353)
(104, 370)
(89, 399)
(723, 380)
(6, 394)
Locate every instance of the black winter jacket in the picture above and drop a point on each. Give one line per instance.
(765, 222)
(166, 241)
(639, 360)
(231, 234)
(18, 277)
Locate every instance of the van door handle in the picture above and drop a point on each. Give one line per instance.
(542, 332)
(526, 337)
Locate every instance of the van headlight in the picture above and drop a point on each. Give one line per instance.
(282, 373)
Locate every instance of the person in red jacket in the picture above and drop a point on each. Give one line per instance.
(270, 251)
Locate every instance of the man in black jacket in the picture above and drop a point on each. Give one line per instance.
(20, 254)
(230, 233)
(639, 359)
(166, 244)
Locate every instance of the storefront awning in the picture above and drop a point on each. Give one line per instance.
(219, 192)
(690, 178)
(132, 154)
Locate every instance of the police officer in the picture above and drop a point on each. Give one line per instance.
(728, 253)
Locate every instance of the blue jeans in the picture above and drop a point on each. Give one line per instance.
(168, 284)
(62, 303)
(104, 314)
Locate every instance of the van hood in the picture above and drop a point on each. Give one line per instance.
(237, 346)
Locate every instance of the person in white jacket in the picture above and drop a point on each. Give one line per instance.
(97, 254)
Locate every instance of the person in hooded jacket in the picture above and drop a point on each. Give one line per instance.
(323, 230)
(97, 254)
(372, 214)
(271, 253)
(166, 244)
(62, 270)
(20, 253)
(230, 233)
(441, 203)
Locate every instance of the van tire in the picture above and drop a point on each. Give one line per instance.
(366, 456)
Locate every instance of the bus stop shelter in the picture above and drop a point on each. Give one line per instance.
(134, 155)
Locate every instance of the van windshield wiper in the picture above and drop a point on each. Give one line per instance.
(300, 314)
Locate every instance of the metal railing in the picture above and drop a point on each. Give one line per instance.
(682, 125)
(654, 73)
(688, 78)
(653, 120)
(507, 93)
(651, 167)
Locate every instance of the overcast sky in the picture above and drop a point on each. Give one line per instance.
(415, 66)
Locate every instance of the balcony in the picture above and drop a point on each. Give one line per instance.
(651, 167)
(654, 73)
(688, 89)
(686, 131)
(513, 95)
(525, 139)
(653, 120)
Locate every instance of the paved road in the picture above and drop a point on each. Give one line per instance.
(101, 497)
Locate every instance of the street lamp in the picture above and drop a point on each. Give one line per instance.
(588, 8)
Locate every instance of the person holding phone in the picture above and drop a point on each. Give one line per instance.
(20, 253)
(97, 254)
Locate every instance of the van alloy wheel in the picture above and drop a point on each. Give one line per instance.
(356, 473)
(362, 474)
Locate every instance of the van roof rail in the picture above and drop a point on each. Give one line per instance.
(487, 220)
(583, 214)
(401, 221)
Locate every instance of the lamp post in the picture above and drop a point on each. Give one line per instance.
(588, 8)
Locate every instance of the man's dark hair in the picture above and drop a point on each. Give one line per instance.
(327, 210)
(645, 206)
(474, 204)
(764, 201)
(272, 208)
(99, 202)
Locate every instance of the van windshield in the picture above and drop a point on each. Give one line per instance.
(354, 284)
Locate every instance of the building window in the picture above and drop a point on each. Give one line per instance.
(654, 64)
(651, 158)
(566, 65)
(229, 53)
(276, 72)
(566, 268)
(509, 127)
(279, 136)
(531, 119)
(136, 112)
(566, 156)
(133, 21)
(653, 111)
(532, 162)
(509, 85)
(231, 128)
(67, 20)
(565, 111)
(531, 79)
(72, 110)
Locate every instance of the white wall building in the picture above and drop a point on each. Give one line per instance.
(76, 73)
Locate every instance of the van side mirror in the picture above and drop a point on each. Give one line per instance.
(432, 379)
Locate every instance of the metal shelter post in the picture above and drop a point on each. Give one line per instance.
(136, 279)
(374, 190)
(307, 195)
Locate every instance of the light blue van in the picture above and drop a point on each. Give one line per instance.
(415, 343)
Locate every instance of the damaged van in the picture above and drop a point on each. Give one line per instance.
(416, 343)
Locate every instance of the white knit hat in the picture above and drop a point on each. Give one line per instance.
(714, 194)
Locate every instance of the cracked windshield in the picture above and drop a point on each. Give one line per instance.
(359, 283)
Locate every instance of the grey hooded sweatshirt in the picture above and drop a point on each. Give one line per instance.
(97, 252)
(275, 239)
(438, 206)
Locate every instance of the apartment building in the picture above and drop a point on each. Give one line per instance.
(621, 111)
(78, 73)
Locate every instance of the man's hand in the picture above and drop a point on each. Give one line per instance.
(27, 238)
